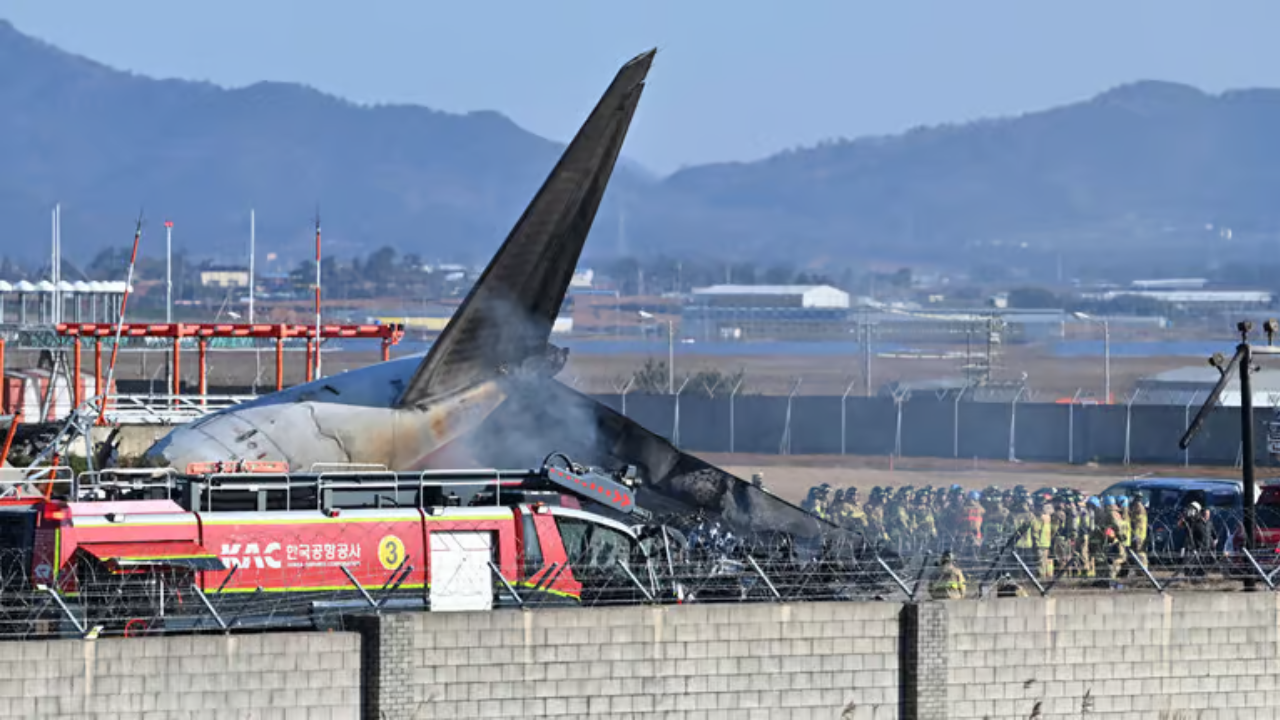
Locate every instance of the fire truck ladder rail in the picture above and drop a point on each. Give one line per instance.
(126, 479)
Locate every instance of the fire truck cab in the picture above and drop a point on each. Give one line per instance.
(135, 550)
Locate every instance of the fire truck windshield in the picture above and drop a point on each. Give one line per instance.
(598, 549)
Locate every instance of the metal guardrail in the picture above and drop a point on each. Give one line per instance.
(16, 482)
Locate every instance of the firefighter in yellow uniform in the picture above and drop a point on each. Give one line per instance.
(822, 501)
(1084, 533)
(926, 530)
(875, 516)
(949, 584)
(1138, 519)
(1042, 536)
(852, 516)
(1116, 535)
(897, 524)
(995, 517)
(1023, 523)
(836, 506)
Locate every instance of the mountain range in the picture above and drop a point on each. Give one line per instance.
(1150, 172)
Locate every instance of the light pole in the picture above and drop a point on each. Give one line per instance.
(671, 357)
(671, 351)
(168, 271)
(1106, 350)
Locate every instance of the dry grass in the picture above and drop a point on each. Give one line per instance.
(1049, 377)
(791, 476)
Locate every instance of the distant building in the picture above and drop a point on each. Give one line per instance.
(1190, 387)
(754, 296)
(1199, 298)
(1186, 292)
(766, 312)
(224, 277)
(1170, 284)
(974, 325)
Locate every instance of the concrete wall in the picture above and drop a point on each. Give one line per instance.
(819, 660)
(1195, 656)
(307, 676)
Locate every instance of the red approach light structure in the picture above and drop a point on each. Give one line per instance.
(389, 334)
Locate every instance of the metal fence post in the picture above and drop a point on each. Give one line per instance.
(732, 422)
(843, 424)
(898, 399)
(1013, 423)
(1071, 427)
(955, 423)
(1128, 422)
(623, 392)
(675, 424)
(784, 447)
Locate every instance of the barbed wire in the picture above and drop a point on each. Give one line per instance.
(298, 582)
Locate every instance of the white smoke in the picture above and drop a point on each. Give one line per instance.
(538, 417)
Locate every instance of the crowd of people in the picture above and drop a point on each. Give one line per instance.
(1083, 535)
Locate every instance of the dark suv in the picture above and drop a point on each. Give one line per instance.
(1167, 500)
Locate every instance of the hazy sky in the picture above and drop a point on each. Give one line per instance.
(733, 80)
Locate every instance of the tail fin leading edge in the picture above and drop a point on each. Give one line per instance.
(506, 319)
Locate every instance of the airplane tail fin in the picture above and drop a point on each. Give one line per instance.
(505, 322)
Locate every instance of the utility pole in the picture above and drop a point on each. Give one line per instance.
(168, 271)
(1246, 429)
(1242, 361)
(55, 262)
(866, 353)
(1106, 355)
(671, 358)
(317, 295)
(1106, 351)
(252, 254)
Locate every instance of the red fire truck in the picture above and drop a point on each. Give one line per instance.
(241, 546)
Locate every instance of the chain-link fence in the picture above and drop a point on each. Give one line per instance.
(944, 424)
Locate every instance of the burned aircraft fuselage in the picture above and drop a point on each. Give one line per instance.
(344, 419)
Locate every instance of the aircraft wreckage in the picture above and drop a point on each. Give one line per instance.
(486, 388)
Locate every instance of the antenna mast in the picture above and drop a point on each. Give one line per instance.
(251, 257)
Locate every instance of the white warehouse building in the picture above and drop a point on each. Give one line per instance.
(805, 296)
(758, 312)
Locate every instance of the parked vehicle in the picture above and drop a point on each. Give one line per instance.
(195, 550)
(1167, 500)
